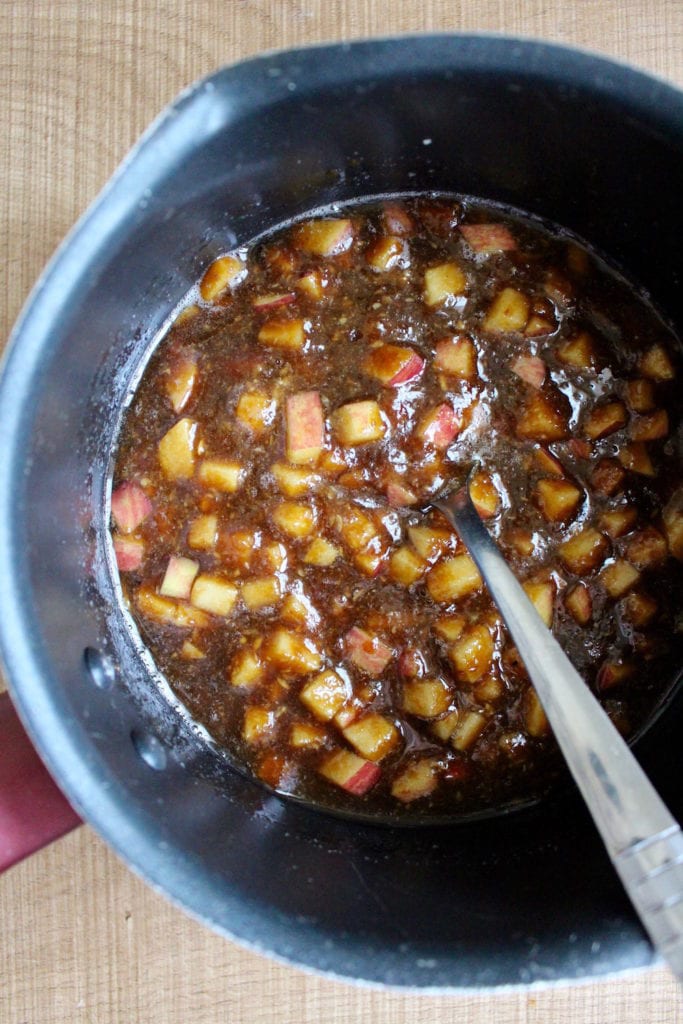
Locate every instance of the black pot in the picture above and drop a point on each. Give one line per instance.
(591, 145)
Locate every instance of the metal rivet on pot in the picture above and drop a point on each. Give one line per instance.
(150, 749)
(100, 667)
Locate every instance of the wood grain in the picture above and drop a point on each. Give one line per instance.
(82, 939)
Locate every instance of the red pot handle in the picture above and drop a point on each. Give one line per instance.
(33, 810)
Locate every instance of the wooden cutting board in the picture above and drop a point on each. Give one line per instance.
(81, 938)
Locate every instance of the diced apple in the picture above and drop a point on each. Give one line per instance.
(261, 592)
(605, 419)
(285, 334)
(325, 695)
(405, 566)
(291, 653)
(449, 627)
(186, 314)
(386, 253)
(223, 273)
(652, 427)
(373, 736)
(457, 356)
(636, 457)
(548, 462)
(579, 604)
(237, 547)
(521, 540)
(166, 610)
(306, 736)
(584, 551)
(398, 495)
(640, 395)
(639, 609)
(213, 594)
(256, 410)
(619, 577)
(356, 529)
(366, 651)
(535, 719)
(418, 780)
(274, 555)
(580, 448)
(426, 698)
(557, 287)
(484, 495)
(557, 499)
(486, 238)
(179, 577)
(313, 284)
(472, 653)
(673, 523)
(272, 300)
(612, 673)
(489, 689)
(468, 729)
(440, 426)
(350, 772)
(294, 481)
(246, 668)
(224, 475)
(656, 364)
(129, 553)
(443, 728)
(538, 326)
(393, 365)
(321, 553)
(130, 506)
(443, 283)
(578, 351)
(454, 578)
(429, 542)
(397, 220)
(508, 313)
(530, 369)
(203, 532)
(608, 477)
(328, 237)
(358, 423)
(190, 652)
(647, 548)
(298, 610)
(617, 521)
(177, 450)
(294, 518)
(258, 725)
(541, 418)
(304, 426)
(541, 593)
(182, 379)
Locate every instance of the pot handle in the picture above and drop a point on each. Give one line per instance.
(33, 811)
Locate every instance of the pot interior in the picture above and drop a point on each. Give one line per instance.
(592, 146)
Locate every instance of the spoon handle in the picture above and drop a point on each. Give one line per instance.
(642, 838)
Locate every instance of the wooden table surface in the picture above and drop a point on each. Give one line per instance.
(81, 938)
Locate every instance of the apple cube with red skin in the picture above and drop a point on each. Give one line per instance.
(130, 506)
(285, 334)
(397, 220)
(457, 356)
(373, 736)
(351, 772)
(179, 577)
(129, 552)
(398, 495)
(486, 238)
(367, 652)
(263, 303)
(418, 780)
(177, 450)
(304, 426)
(358, 423)
(530, 369)
(328, 237)
(440, 426)
(611, 673)
(182, 379)
(393, 365)
(579, 603)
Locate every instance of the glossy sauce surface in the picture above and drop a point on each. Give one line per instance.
(337, 641)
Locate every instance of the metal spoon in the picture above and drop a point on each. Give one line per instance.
(642, 838)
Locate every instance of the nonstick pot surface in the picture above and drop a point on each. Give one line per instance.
(593, 146)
